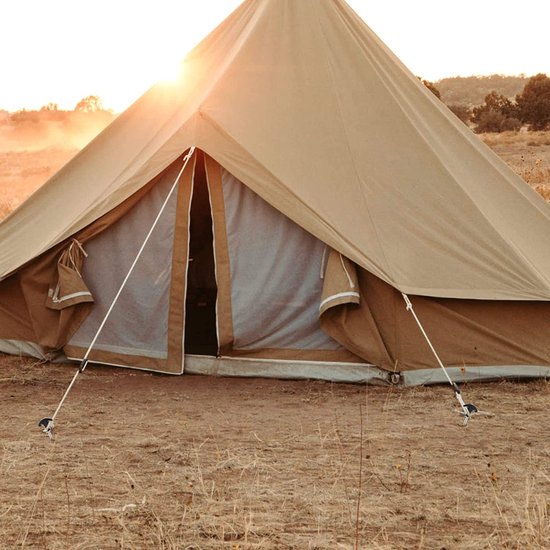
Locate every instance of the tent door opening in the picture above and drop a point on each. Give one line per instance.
(200, 304)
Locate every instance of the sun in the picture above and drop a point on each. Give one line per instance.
(167, 71)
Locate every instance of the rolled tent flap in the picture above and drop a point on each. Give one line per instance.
(70, 288)
(52, 326)
(340, 285)
(345, 314)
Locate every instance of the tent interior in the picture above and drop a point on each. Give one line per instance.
(200, 305)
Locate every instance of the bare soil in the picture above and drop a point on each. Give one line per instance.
(196, 462)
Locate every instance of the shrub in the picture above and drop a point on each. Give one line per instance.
(534, 103)
(494, 121)
(463, 112)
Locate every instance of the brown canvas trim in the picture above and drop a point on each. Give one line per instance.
(15, 321)
(221, 257)
(468, 333)
(465, 333)
(178, 285)
(76, 353)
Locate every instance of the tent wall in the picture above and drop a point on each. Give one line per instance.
(271, 277)
(465, 333)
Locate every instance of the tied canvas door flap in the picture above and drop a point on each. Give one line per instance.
(70, 288)
(145, 329)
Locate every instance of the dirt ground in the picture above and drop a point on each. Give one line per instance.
(144, 461)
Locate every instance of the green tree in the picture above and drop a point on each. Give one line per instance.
(89, 104)
(534, 103)
(497, 114)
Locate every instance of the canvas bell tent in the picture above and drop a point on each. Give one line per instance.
(315, 181)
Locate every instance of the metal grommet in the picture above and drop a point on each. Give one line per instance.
(395, 378)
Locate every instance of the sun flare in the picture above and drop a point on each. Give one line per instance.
(166, 71)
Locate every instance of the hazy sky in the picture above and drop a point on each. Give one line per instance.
(64, 50)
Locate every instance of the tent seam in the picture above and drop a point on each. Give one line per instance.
(347, 143)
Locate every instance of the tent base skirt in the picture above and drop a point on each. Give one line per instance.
(316, 370)
(353, 372)
(30, 349)
(286, 369)
(459, 375)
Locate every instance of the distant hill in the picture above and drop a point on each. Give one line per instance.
(471, 90)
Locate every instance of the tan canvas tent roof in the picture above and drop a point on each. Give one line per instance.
(303, 104)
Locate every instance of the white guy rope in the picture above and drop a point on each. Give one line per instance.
(467, 409)
(48, 423)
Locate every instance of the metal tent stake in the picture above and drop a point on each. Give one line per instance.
(467, 408)
(47, 424)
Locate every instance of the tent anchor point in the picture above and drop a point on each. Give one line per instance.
(467, 408)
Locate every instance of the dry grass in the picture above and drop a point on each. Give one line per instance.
(143, 461)
(23, 172)
(528, 154)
